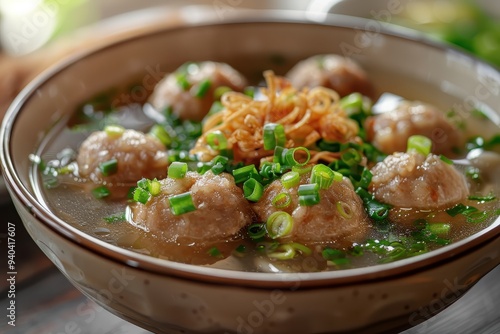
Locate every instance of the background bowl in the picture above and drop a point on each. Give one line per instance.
(172, 297)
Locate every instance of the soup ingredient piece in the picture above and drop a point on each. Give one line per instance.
(279, 224)
(177, 170)
(389, 131)
(221, 210)
(289, 250)
(341, 74)
(182, 203)
(252, 189)
(190, 91)
(414, 180)
(420, 144)
(136, 154)
(101, 192)
(322, 222)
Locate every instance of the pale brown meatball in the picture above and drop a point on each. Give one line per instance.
(323, 222)
(413, 180)
(389, 132)
(221, 210)
(179, 90)
(341, 74)
(138, 155)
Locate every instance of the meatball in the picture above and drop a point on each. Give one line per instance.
(221, 210)
(339, 218)
(341, 74)
(137, 155)
(413, 180)
(389, 132)
(189, 91)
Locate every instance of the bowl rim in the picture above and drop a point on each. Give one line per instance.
(164, 267)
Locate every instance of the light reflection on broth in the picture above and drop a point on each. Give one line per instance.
(72, 200)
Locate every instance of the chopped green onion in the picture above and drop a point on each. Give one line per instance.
(244, 173)
(253, 190)
(161, 134)
(344, 209)
(324, 176)
(202, 88)
(477, 217)
(114, 131)
(420, 144)
(282, 200)
(217, 140)
(288, 251)
(101, 192)
(109, 167)
(256, 231)
(290, 179)
(301, 169)
(116, 218)
(351, 157)
(215, 252)
(376, 210)
(461, 209)
(154, 187)
(141, 195)
(279, 154)
(241, 249)
(308, 189)
(331, 254)
(308, 194)
(279, 224)
(249, 91)
(439, 228)
(182, 81)
(221, 90)
(487, 198)
(177, 170)
(182, 203)
(351, 102)
(219, 164)
(274, 135)
(446, 160)
(297, 156)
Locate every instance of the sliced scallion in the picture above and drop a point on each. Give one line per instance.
(161, 134)
(441, 229)
(297, 156)
(177, 170)
(324, 176)
(109, 167)
(217, 140)
(420, 144)
(273, 135)
(244, 173)
(181, 203)
(308, 194)
(256, 231)
(114, 130)
(101, 192)
(282, 200)
(279, 224)
(344, 209)
(202, 88)
(252, 190)
(290, 179)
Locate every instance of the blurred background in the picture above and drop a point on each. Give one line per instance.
(36, 33)
(27, 25)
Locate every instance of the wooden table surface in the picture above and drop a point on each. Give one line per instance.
(48, 304)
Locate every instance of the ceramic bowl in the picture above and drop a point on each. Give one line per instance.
(171, 297)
